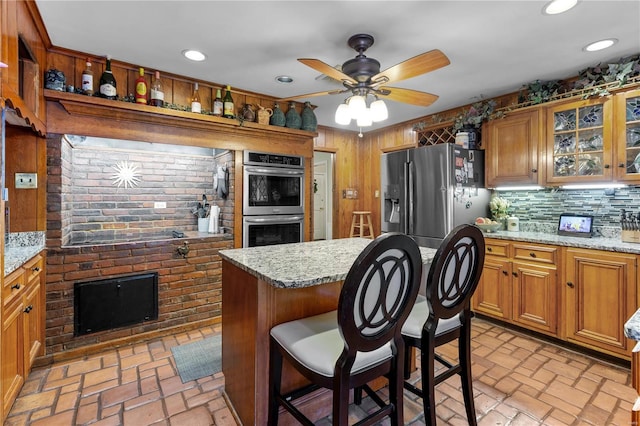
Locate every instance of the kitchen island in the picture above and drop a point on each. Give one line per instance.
(265, 286)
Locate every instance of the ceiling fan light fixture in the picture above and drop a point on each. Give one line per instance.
(343, 115)
(364, 119)
(379, 111)
(357, 106)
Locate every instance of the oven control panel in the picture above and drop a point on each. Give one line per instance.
(263, 158)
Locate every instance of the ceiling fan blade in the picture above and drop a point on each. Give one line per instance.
(408, 96)
(421, 64)
(311, 95)
(327, 69)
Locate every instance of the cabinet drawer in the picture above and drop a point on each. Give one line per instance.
(13, 287)
(496, 248)
(33, 268)
(531, 253)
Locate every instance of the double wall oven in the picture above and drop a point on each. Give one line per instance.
(272, 199)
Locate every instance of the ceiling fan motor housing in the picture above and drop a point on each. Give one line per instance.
(361, 68)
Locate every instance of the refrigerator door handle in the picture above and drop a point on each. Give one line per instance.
(409, 167)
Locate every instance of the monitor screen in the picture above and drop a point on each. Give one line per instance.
(578, 225)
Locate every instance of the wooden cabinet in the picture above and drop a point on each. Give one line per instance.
(512, 149)
(519, 285)
(626, 136)
(579, 145)
(22, 327)
(600, 293)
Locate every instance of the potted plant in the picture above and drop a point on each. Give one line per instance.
(470, 120)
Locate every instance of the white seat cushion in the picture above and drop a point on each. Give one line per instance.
(413, 326)
(316, 343)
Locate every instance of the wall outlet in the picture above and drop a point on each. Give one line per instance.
(26, 180)
(160, 205)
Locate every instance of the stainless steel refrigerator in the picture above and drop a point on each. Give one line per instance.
(430, 190)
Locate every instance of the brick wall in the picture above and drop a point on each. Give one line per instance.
(81, 179)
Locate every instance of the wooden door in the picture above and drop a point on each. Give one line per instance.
(32, 323)
(600, 293)
(512, 149)
(535, 296)
(493, 294)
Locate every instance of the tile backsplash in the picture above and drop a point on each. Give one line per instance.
(539, 210)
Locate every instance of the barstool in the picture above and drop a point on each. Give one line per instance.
(358, 222)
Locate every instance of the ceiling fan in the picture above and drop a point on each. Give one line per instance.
(362, 76)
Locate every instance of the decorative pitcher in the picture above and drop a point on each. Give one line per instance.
(264, 114)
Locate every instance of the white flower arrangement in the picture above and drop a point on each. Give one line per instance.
(499, 207)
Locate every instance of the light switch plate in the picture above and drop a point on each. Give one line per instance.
(26, 180)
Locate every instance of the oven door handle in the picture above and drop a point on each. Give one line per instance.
(275, 171)
(286, 219)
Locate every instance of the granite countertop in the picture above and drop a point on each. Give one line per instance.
(303, 264)
(20, 247)
(595, 243)
(632, 326)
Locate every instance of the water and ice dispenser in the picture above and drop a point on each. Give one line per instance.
(391, 209)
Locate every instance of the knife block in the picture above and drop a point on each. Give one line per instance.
(630, 236)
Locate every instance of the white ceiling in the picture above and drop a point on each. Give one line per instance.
(494, 46)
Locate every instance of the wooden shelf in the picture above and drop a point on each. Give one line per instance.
(81, 105)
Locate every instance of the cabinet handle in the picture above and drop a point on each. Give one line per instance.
(28, 309)
(570, 284)
(489, 249)
(621, 165)
(532, 254)
(504, 272)
(606, 166)
(515, 274)
(15, 286)
(36, 269)
(534, 170)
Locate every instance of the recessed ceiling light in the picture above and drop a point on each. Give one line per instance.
(558, 6)
(194, 55)
(599, 45)
(284, 79)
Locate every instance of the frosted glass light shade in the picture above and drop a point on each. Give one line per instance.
(379, 111)
(343, 115)
(364, 120)
(357, 105)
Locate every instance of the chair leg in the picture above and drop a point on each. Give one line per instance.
(464, 356)
(341, 402)
(427, 364)
(396, 389)
(275, 377)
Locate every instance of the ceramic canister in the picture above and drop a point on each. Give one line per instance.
(513, 224)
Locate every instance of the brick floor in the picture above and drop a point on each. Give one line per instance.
(518, 380)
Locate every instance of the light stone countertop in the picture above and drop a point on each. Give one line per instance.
(632, 327)
(304, 264)
(20, 247)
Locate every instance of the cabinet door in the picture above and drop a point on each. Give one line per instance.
(535, 295)
(600, 295)
(578, 142)
(626, 133)
(493, 294)
(33, 310)
(12, 353)
(512, 149)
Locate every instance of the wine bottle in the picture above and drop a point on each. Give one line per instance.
(228, 107)
(87, 79)
(217, 104)
(157, 95)
(196, 106)
(141, 88)
(108, 86)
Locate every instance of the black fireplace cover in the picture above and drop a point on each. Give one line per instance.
(115, 302)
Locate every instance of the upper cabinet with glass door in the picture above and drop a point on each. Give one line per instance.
(627, 135)
(579, 142)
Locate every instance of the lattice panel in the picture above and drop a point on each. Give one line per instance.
(436, 136)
